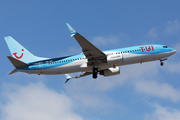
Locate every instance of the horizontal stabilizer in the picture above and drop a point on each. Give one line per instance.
(12, 72)
(17, 63)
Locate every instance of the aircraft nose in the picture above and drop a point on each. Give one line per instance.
(173, 51)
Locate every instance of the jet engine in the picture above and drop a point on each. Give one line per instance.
(110, 71)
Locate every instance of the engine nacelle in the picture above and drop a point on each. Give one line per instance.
(110, 71)
(117, 58)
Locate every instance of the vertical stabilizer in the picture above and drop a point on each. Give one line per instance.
(19, 52)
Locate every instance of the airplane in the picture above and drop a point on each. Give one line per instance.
(90, 61)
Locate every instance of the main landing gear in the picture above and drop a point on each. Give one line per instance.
(95, 71)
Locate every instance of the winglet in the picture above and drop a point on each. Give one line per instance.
(71, 30)
(68, 77)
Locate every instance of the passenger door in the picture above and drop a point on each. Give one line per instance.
(40, 65)
(156, 49)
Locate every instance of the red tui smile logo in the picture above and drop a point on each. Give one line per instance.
(72, 30)
(15, 54)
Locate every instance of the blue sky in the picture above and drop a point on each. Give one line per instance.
(142, 91)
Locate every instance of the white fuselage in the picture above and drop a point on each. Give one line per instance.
(72, 64)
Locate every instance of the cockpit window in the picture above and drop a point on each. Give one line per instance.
(164, 46)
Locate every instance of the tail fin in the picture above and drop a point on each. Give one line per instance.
(19, 52)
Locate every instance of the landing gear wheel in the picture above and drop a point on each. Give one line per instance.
(95, 76)
(95, 71)
(161, 63)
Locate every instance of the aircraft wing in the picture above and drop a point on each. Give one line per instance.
(78, 76)
(92, 53)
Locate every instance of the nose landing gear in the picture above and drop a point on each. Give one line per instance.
(161, 63)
